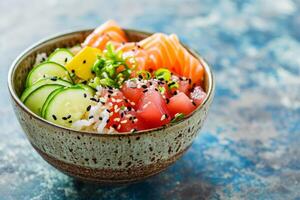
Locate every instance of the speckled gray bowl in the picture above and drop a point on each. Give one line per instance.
(103, 158)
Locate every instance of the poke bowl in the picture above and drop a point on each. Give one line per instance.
(103, 157)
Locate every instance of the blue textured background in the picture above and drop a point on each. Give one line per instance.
(249, 146)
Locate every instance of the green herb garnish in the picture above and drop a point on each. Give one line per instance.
(163, 73)
(162, 90)
(144, 74)
(177, 117)
(173, 84)
(110, 68)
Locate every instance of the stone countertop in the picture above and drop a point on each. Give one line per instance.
(249, 146)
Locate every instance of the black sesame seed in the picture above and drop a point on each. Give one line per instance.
(194, 103)
(114, 126)
(108, 110)
(170, 84)
(109, 87)
(150, 83)
(94, 99)
(130, 118)
(110, 91)
(190, 81)
(43, 59)
(100, 118)
(70, 121)
(175, 93)
(107, 121)
(156, 89)
(167, 100)
(167, 116)
(144, 86)
(84, 95)
(129, 108)
(66, 60)
(144, 91)
(91, 117)
(64, 118)
(54, 117)
(73, 71)
(84, 82)
(140, 76)
(180, 78)
(88, 108)
(69, 116)
(122, 114)
(54, 78)
(109, 96)
(161, 79)
(84, 61)
(126, 100)
(93, 72)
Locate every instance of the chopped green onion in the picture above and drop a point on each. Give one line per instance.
(107, 68)
(145, 74)
(163, 73)
(162, 90)
(173, 84)
(108, 82)
(95, 82)
(177, 117)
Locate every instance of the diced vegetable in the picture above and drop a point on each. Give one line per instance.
(82, 63)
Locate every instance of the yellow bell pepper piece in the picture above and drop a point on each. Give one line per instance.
(82, 63)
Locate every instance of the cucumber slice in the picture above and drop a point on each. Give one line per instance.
(68, 106)
(44, 81)
(47, 69)
(37, 98)
(50, 96)
(87, 88)
(61, 56)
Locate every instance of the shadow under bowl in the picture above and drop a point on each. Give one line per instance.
(103, 158)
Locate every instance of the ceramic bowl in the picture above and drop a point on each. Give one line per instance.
(103, 158)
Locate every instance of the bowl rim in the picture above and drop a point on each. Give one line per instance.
(207, 68)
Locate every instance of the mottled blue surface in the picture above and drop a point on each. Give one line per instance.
(249, 146)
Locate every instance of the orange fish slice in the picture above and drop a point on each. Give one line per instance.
(110, 31)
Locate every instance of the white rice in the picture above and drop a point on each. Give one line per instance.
(41, 57)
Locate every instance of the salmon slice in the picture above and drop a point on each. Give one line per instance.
(110, 31)
(166, 51)
(132, 49)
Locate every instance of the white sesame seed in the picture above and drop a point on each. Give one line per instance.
(117, 119)
(119, 126)
(128, 115)
(119, 100)
(135, 120)
(163, 117)
(113, 99)
(117, 110)
(132, 103)
(132, 130)
(123, 121)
